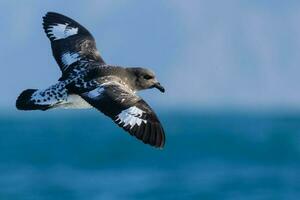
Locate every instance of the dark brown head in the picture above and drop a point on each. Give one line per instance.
(144, 79)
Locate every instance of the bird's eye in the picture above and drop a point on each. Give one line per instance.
(147, 77)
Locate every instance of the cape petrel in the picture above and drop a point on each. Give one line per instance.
(87, 81)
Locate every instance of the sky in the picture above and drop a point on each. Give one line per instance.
(207, 53)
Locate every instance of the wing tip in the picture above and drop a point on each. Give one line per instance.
(51, 13)
(145, 133)
(162, 142)
(157, 132)
(54, 17)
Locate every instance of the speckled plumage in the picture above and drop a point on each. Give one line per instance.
(87, 81)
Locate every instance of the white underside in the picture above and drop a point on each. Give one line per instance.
(74, 102)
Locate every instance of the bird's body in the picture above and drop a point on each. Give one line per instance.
(87, 81)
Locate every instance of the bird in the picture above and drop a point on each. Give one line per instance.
(88, 82)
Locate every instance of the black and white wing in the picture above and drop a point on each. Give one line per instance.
(71, 43)
(129, 111)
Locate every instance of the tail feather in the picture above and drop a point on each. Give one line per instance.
(55, 96)
(25, 102)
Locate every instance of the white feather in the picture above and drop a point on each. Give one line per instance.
(131, 116)
(40, 97)
(69, 58)
(61, 31)
(96, 92)
(42, 100)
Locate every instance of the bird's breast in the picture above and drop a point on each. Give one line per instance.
(74, 101)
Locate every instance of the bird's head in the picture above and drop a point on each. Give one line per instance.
(144, 79)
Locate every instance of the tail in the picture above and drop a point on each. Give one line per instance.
(26, 101)
(32, 99)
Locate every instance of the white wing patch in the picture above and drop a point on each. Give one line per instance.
(69, 58)
(131, 116)
(95, 93)
(61, 31)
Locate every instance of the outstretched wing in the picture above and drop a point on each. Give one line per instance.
(71, 43)
(129, 111)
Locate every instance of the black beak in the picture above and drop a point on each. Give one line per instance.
(159, 86)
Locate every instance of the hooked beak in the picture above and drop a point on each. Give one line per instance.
(159, 86)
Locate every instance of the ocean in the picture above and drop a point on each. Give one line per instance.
(208, 155)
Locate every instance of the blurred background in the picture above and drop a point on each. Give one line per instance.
(231, 110)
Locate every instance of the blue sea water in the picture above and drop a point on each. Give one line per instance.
(83, 155)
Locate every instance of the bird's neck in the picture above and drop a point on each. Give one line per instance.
(125, 74)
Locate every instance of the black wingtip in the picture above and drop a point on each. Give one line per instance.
(52, 13)
(57, 18)
(160, 142)
(151, 134)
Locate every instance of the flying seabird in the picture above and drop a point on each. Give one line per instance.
(87, 81)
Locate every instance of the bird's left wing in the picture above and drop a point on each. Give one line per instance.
(71, 43)
(128, 111)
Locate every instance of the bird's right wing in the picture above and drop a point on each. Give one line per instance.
(128, 111)
(71, 43)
